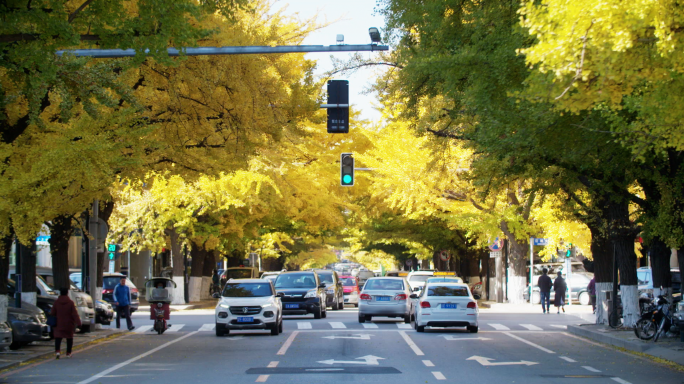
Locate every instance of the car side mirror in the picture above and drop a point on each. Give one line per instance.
(280, 294)
(216, 295)
(413, 296)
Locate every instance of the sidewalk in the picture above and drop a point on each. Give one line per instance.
(46, 349)
(667, 348)
(202, 304)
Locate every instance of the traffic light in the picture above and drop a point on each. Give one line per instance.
(346, 170)
(569, 251)
(338, 118)
(113, 251)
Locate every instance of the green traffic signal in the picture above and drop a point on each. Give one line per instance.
(346, 170)
(346, 179)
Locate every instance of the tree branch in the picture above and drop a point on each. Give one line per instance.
(78, 10)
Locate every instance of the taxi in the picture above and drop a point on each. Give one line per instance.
(446, 305)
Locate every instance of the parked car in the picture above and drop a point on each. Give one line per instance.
(44, 302)
(302, 293)
(446, 305)
(5, 335)
(350, 285)
(249, 304)
(333, 289)
(28, 324)
(385, 296)
(104, 312)
(578, 282)
(645, 276)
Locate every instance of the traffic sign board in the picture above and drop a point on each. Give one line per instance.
(538, 241)
(409, 262)
(498, 244)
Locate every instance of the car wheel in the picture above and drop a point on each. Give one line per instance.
(280, 326)
(16, 345)
(472, 329)
(584, 298)
(220, 331)
(274, 330)
(362, 319)
(407, 319)
(356, 305)
(85, 328)
(536, 299)
(369, 318)
(319, 313)
(420, 328)
(335, 305)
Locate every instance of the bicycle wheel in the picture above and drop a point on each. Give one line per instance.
(645, 329)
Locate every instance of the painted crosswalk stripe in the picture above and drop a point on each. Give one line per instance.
(207, 327)
(142, 329)
(569, 360)
(403, 325)
(499, 327)
(438, 375)
(428, 363)
(337, 324)
(590, 369)
(175, 328)
(559, 326)
(531, 327)
(303, 325)
(619, 380)
(370, 325)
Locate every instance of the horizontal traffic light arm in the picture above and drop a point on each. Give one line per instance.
(334, 105)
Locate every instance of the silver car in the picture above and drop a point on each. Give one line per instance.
(385, 296)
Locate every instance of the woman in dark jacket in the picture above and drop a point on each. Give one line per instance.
(67, 320)
(559, 287)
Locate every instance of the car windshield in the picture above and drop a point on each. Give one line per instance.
(247, 290)
(447, 291)
(384, 284)
(238, 273)
(348, 281)
(642, 276)
(270, 277)
(444, 280)
(296, 280)
(326, 278)
(111, 281)
(49, 290)
(419, 278)
(49, 281)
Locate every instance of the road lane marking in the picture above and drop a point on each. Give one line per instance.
(486, 361)
(404, 325)
(569, 360)
(272, 364)
(529, 342)
(531, 327)
(590, 369)
(559, 326)
(175, 328)
(262, 378)
(499, 327)
(142, 329)
(287, 344)
(411, 344)
(134, 359)
(438, 375)
(619, 380)
(369, 325)
(303, 325)
(337, 324)
(207, 327)
(428, 363)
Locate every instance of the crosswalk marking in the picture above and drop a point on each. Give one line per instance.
(303, 325)
(175, 328)
(559, 326)
(531, 327)
(142, 329)
(499, 327)
(207, 327)
(369, 325)
(337, 324)
(403, 326)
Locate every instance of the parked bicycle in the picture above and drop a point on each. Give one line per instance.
(656, 319)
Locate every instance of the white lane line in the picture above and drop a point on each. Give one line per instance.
(369, 325)
(499, 327)
(142, 329)
(287, 344)
(531, 327)
(428, 363)
(272, 364)
(403, 326)
(411, 344)
(132, 360)
(559, 326)
(337, 324)
(590, 369)
(175, 328)
(619, 380)
(207, 327)
(569, 360)
(303, 325)
(529, 342)
(262, 379)
(438, 375)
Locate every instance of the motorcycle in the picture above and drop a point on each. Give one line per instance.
(476, 290)
(656, 318)
(159, 293)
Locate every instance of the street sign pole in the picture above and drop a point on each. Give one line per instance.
(532, 269)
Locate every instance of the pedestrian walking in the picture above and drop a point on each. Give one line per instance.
(64, 310)
(591, 288)
(559, 288)
(122, 297)
(545, 284)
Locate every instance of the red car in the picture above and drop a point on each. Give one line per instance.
(350, 284)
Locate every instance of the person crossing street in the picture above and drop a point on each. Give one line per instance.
(122, 297)
(545, 284)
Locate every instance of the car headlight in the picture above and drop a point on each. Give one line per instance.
(310, 294)
(80, 302)
(266, 305)
(23, 317)
(226, 306)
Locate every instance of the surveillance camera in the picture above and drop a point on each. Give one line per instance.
(374, 35)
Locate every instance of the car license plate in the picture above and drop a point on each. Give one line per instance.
(449, 306)
(245, 319)
(291, 306)
(382, 298)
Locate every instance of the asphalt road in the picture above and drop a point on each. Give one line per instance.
(510, 348)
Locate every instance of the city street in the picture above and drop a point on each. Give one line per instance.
(510, 348)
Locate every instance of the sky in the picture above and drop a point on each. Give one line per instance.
(351, 18)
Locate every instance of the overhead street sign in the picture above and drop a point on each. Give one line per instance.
(538, 241)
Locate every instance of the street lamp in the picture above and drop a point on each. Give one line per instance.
(374, 35)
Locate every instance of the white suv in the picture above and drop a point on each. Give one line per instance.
(249, 304)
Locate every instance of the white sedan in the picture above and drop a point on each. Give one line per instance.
(446, 305)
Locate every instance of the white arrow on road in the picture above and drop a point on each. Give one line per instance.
(452, 337)
(486, 361)
(368, 360)
(354, 337)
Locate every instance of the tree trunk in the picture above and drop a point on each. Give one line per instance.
(208, 267)
(106, 209)
(5, 248)
(623, 235)
(61, 229)
(178, 266)
(603, 270)
(272, 263)
(517, 257)
(660, 254)
(198, 254)
(28, 273)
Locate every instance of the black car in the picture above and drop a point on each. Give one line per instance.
(28, 324)
(301, 293)
(333, 289)
(45, 303)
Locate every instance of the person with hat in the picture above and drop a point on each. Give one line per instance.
(559, 288)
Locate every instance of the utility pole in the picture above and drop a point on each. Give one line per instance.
(92, 254)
